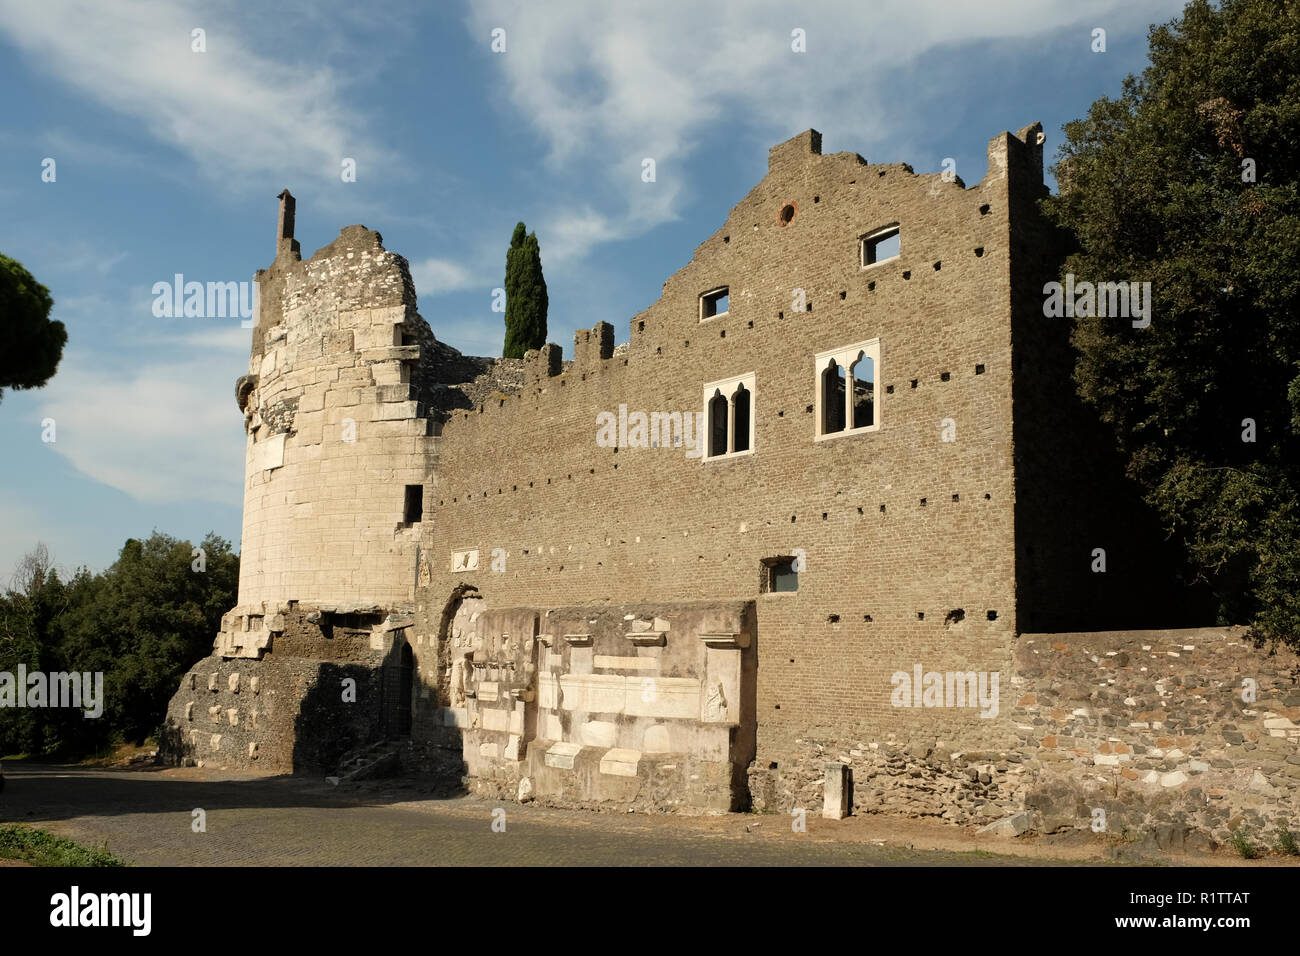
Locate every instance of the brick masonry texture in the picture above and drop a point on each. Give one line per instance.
(968, 517)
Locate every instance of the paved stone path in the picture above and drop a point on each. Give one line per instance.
(145, 817)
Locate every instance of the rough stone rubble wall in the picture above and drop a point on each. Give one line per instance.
(1149, 727)
(283, 708)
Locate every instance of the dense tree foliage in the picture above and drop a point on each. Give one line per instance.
(1190, 180)
(142, 623)
(526, 300)
(30, 344)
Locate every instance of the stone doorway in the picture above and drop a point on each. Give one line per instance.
(395, 712)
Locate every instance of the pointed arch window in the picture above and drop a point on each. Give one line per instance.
(729, 417)
(848, 402)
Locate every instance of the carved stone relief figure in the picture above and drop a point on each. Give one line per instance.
(715, 705)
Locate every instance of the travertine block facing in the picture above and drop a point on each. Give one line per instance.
(594, 693)
(657, 740)
(620, 763)
(561, 755)
(662, 697)
(599, 733)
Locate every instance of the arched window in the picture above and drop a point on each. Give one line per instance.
(728, 427)
(848, 401)
(863, 374)
(740, 419)
(717, 424)
(834, 387)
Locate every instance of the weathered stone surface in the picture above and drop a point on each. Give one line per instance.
(837, 800)
(1011, 826)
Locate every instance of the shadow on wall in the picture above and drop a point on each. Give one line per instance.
(1091, 555)
(339, 713)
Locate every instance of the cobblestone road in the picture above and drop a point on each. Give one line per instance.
(145, 817)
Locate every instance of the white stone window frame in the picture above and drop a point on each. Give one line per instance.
(717, 292)
(844, 357)
(729, 387)
(878, 235)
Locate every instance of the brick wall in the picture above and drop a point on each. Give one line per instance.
(900, 529)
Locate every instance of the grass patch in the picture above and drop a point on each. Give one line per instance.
(18, 842)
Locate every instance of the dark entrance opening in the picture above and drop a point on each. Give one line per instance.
(396, 710)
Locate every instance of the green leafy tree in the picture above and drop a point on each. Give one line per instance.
(30, 344)
(142, 623)
(1190, 180)
(526, 300)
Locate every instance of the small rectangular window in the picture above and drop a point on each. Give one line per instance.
(413, 508)
(780, 575)
(714, 303)
(881, 245)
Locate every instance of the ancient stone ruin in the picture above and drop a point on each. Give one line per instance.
(824, 533)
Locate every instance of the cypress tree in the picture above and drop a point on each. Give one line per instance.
(526, 299)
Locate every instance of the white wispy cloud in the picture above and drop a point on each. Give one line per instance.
(160, 432)
(435, 276)
(225, 339)
(232, 110)
(607, 85)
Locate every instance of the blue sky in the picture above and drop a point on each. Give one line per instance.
(169, 160)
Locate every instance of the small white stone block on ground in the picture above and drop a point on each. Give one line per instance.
(835, 800)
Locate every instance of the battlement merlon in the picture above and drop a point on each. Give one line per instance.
(1019, 156)
(795, 149)
(543, 363)
(591, 346)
